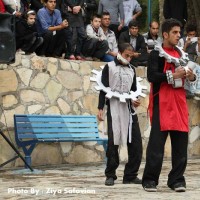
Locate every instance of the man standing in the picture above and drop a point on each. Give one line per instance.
(123, 126)
(110, 37)
(116, 10)
(132, 10)
(168, 112)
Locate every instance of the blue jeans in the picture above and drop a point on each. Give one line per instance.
(107, 58)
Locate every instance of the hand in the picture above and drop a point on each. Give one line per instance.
(135, 103)
(100, 115)
(18, 14)
(136, 54)
(64, 24)
(120, 27)
(190, 75)
(179, 73)
(76, 9)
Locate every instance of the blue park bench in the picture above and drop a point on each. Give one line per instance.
(33, 129)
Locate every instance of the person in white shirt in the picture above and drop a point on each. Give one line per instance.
(96, 44)
(191, 43)
(110, 37)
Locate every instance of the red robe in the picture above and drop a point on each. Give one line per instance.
(172, 102)
(2, 7)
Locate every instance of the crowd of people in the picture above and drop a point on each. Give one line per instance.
(110, 32)
(87, 30)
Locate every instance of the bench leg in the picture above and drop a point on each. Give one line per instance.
(28, 160)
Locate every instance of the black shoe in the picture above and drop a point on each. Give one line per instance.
(179, 187)
(134, 181)
(150, 186)
(109, 181)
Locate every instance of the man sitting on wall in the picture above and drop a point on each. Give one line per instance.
(137, 41)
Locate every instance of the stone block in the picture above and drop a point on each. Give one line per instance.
(64, 106)
(88, 103)
(25, 75)
(53, 110)
(73, 96)
(7, 118)
(32, 96)
(85, 68)
(40, 80)
(53, 89)
(8, 81)
(34, 109)
(9, 101)
(70, 80)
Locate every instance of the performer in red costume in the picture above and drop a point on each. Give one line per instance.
(168, 112)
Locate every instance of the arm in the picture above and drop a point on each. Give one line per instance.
(137, 11)
(154, 71)
(91, 6)
(121, 15)
(100, 8)
(105, 81)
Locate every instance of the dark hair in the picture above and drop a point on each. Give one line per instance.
(168, 24)
(133, 23)
(27, 13)
(105, 13)
(125, 46)
(95, 16)
(191, 27)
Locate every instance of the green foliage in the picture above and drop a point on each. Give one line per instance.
(143, 19)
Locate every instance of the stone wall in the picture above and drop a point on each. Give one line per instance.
(39, 85)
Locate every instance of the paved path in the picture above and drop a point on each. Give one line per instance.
(68, 181)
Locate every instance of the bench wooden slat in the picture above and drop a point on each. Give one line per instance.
(57, 130)
(57, 125)
(57, 135)
(30, 119)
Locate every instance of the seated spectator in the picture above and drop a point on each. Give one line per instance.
(36, 5)
(116, 10)
(151, 37)
(26, 33)
(90, 8)
(110, 37)
(137, 41)
(96, 45)
(191, 43)
(54, 31)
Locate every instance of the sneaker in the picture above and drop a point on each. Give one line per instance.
(109, 181)
(150, 186)
(179, 187)
(134, 181)
(72, 57)
(79, 58)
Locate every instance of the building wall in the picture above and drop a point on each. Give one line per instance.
(40, 85)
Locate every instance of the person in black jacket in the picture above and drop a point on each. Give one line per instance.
(26, 33)
(36, 5)
(137, 41)
(122, 121)
(176, 9)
